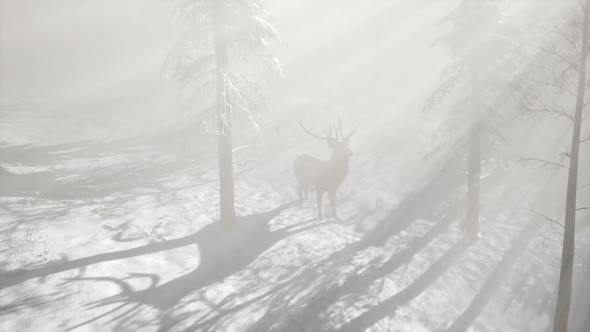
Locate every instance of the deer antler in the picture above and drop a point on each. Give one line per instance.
(308, 131)
(350, 134)
(342, 137)
(337, 130)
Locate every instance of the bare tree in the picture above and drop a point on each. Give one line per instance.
(563, 72)
(220, 29)
(567, 257)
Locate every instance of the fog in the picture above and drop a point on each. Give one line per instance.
(383, 165)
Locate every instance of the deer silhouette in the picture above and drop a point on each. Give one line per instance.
(324, 175)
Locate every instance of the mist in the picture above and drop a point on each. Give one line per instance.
(266, 165)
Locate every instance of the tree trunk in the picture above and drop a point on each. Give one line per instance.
(224, 124)
(474, 172)
(564, 293)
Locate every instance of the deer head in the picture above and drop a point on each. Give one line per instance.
(337, 143)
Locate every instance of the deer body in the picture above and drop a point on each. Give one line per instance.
(323, 175)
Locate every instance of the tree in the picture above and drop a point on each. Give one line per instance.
(485, 55)
(555, 91)
(218, 30)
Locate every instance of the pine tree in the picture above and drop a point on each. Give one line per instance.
(220, 30)
(485, 54)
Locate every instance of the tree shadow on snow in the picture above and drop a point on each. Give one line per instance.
(131, 175)
(331, 285)
(496, 277)
(223, 251)
(310, 312)
(389, 307)
(129, 167)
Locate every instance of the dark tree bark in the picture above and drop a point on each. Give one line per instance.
(564, 294)
(474, 171)
(224, 124)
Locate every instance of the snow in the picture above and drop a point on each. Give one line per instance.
(149, 254)
(103, 232)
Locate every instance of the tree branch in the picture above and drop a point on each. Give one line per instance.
(549, 111)
(554, 84)
(569, 40)
(544, 163)
(554, 52)
(549, 219)
(531, 97)
(241, 147)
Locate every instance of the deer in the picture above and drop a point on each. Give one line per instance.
(325, 176)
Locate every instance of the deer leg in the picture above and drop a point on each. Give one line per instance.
(333, 204)
(300, 196)
(319, 198)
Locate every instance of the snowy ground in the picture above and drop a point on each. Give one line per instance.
(124, 237)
